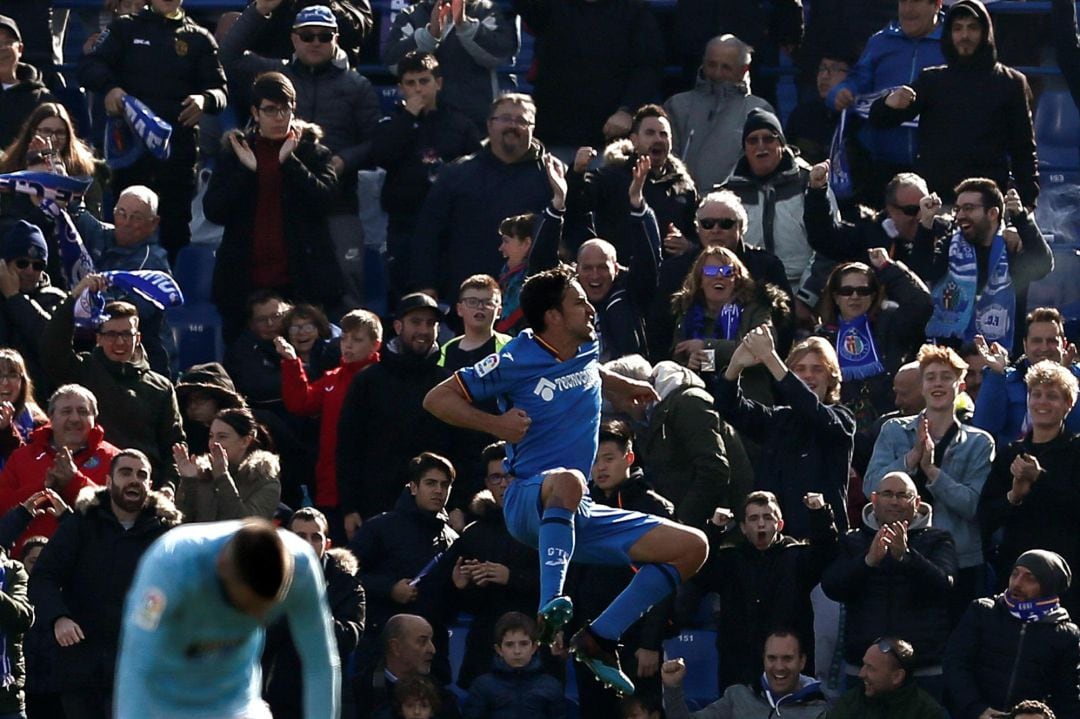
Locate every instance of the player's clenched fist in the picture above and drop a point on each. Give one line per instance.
(513, 425)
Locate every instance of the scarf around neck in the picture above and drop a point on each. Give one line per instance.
(856, 350)
(960, 310)
(725, 326)
(1031, 611)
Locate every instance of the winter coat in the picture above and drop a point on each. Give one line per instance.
(891, 59)
(1049, 514)
(469, 56)
(282, 671)
(525, 693)
(16, 616)
(751, 701)
(906, 598)
(1002, 403)
(457, 232)
(762, 590)
(414, 149)
(810, 127)
(254, 491)
(136, 406)
(308, 185)
(24, 474)
(161, 61)
(955, 494)
(809, 446)
(23, 317)
(84, 573)
(907, 702)
(707, 123)
(19, 101)
(383, 425)
(341, 101)
(598, 202)
(592, 59)
(994, 660)
(324, 397)
(996, 135)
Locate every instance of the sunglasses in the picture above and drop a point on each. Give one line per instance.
(909, 210)
(886, 646)
(724, 223)
(323, 37)
(861, 291)
(38, 265)
(721, 270)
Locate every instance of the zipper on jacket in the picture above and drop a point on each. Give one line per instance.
(1016, 666)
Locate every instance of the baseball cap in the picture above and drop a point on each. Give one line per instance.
(10, 24)
(417, 301)
(315, 16)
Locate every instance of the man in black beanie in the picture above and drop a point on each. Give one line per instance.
(1018, 645)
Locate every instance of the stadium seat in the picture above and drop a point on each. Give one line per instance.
(1057, 131)
(194, 272)
(698, 648)
(196, 327)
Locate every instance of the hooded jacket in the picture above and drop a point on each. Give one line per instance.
(254, 491)
(19, 101)
(84, 573)
(23, 317)
(506, 693)
(16, 617)
(993, 659)
(906, 598)
(707, 124)
(753, 701)
(974, 116)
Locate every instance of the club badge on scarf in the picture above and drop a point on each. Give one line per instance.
(856, 350)
(138, 130)
(58, 188)
(960, 310)
(156, 287)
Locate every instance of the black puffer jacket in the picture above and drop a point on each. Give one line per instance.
(908, 598)
(16, 616)
(84, 573)
(994, 660)
(19, 100)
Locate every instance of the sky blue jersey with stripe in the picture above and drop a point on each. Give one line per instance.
(186, 652)
(561, 397)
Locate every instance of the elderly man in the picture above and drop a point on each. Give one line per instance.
(138, 405)
(888, 688)
(66, 455)
(106, 536)
(894, 575)
(708, 119)
(1020, 644)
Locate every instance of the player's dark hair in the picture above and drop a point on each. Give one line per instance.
(130, 453)
(542, 292)
(417, 61)
(618, 432)
(416, 687)
(492, 452)
(426, 461)
(515, 622)
(260, 559)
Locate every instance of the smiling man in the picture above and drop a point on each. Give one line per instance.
(887, 686)
(110, 530)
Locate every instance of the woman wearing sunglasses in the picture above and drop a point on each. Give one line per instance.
(718, 304)
(875, 316)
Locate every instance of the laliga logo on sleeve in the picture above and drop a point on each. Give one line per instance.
(545, 389)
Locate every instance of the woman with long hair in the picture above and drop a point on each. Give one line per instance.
(241, 477)
(19, 411)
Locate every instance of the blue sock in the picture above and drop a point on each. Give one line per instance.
(556, 547)
(652, 584)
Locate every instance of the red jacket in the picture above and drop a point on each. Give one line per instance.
(24, 474)
(326, 395)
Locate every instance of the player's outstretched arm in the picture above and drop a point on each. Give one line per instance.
(309, 613)
(449, 402)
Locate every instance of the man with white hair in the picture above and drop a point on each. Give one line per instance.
(708, 120)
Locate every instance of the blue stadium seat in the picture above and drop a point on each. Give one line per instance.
(1057, 131)
(194, 271)
(698, 648)
(458, 632)
(196, 328)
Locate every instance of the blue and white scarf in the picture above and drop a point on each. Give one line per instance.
(47, 185)
(138, 130)
(1031, 611)
(75, 262)
(856, 350)
(960, 310)
(725, 327)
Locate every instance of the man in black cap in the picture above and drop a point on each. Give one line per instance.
(29, 299)
(22, 88)
(1018, 645)
(383, 423)
(771, 180)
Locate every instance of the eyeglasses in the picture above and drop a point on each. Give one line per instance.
(475, 303)
(114, 336)
(513, 120)
(968, 208)
(828, 69)
(762, 140)
(309, 37)
(22, 263)
(267, 319)
(909, 210)
(11, 377)
(849, 290)
(274, 111)
(724, 223)
(122, 214)
(902, 496)
(721, 270)
(46, 132)
(497, 478)
(305, 327)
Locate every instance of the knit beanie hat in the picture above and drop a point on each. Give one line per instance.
(1049, 568)
(760, 119)
(24, 240)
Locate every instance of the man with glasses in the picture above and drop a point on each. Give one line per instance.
(894, 576)
(169, 62)
(888, 688)
(138, 406)
(812, 123)
(252, 361)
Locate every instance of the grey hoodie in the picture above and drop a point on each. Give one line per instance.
(742, 701)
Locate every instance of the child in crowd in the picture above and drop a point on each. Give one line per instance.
(415, 697)
(517, 685)
(516, 245)
(361, 337)
(479, 300)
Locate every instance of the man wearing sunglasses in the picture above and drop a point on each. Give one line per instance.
(29, 299)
